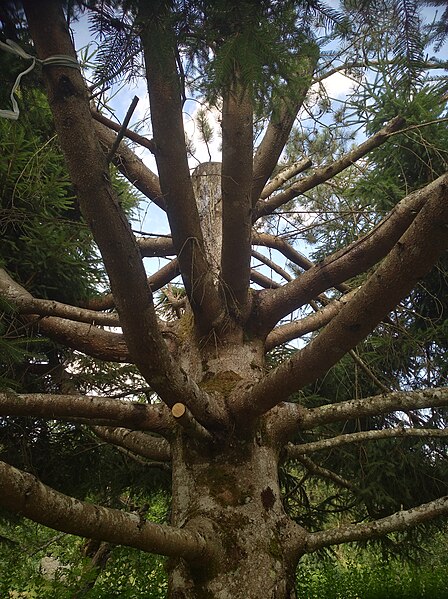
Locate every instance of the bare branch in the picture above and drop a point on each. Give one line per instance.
(142, 444)
(85, 338)
(88, 339)
(378, 404)
(132, 167)
(97, 410)
(361, 532)
(412, 257)
(325, 473)
(278, 130)
(23, 493)
(89, 174)
(288, 418)
(25, 305)
(156, 247)
(293, 451)
(236, 186)
(312, 322)
(139, 139)
(282, 246)
(263, 280)
(287, 173)
(325, 173)
(277, 243)
(352, 260)
(156, 281)
(272, 265)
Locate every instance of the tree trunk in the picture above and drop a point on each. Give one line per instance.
(232, 482)
(235, 485)
(207, 188)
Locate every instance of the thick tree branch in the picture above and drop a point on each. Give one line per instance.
(89, 174)
(94, 409)
(312, 322)
(23, 493)
(287, 173)
(411, 259)
(175, 181)
(279, 128)
(288, 418)
(29, 305)
(378, 404)
(236, 186)
(362, 532)
(272, 265)
(293, 451)
(325, 173)
(156, 281)
(132, 167)
(86, 338)
(147, 446)
(139, 139)
(355, 258)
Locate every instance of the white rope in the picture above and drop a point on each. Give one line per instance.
(56, 60)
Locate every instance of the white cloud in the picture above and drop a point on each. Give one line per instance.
(201, 154)
(339, 85)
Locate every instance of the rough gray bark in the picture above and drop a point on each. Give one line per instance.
(235, 485)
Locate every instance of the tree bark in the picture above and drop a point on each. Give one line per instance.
(26, 495)
(235, 485)
(94, 409)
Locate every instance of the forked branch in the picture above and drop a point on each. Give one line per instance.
(320, 175)
(132, 167)
(411, 259)
(354, 259)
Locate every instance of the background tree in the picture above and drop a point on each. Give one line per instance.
(228, 414)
